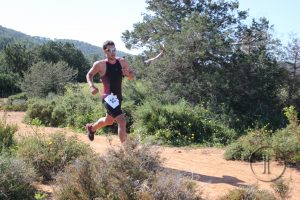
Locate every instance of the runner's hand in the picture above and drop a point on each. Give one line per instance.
(94, 89)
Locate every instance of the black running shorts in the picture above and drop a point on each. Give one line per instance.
(114, 112)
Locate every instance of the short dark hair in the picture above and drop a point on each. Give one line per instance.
(107, 43)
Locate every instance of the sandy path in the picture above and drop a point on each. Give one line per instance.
(206, 166)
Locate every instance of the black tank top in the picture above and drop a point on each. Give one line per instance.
(112, 80)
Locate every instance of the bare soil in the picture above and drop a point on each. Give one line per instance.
(214, 175)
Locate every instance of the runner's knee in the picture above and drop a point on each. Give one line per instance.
(121, 120)
(109, 121)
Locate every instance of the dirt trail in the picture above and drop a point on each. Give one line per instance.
(206, 166)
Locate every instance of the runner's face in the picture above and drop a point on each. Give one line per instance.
(110, 51)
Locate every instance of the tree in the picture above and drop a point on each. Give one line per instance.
(18, 58)
(54, 52)
(4, 41)
(197, 36)
(44, 78)
(204, 61)
(291, 61)
(8, 84)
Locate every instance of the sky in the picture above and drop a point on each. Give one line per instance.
(95, 21)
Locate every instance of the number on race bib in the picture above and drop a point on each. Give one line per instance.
(112, 100)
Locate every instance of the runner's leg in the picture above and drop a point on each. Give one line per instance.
(121, 120)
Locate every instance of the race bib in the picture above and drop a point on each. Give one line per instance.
(112, 100)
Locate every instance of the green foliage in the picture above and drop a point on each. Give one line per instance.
(39, 196)
(76, 108)
(284, 142)
(15, 179)
(212, 57)
(291, 59)
(36, 122)
(8, 84)
(18, 58)
(17, 102)
(133, 174)
(250, 192)
(7, 132)
(137, 92)
(4, 41)
(79, 106)
(180, 124)
(243, 148)
(40, 109)
(292, 116)
(44, 78)
(54, 52)
(249, 86)
(50, 155)
(286, 146)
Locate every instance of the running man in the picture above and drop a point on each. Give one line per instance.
(111, 71)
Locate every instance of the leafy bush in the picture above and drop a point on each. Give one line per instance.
(286, 146)
(137, 92)
(50, 155)
(8, 84)
(180, 124)
(243, 148)
(76, 108)
(286, 142)
(40, 109)
(17, 102)
(7, 132)
(250, 192)
(79, 106)
(130, 174)
(15, 178)
(44, 78)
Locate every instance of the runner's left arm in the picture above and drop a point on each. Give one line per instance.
(127, 71)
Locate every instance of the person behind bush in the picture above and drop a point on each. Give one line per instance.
(111, 71)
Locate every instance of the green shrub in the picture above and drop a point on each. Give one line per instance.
(286, 145)
(76, 108)
(38, 196)
(248, 193)
(17, 102)
(43, 78)
(7, 132)
(16, 178)
(243, 148)
(50, 155)
(286, 141)
(40, 109)
(137, 92)
(133, 174)
(8, 84)
(180, 124)
(234, 151)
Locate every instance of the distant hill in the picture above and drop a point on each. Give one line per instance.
(8, 36)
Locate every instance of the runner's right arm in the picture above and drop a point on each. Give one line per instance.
(97, 68)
